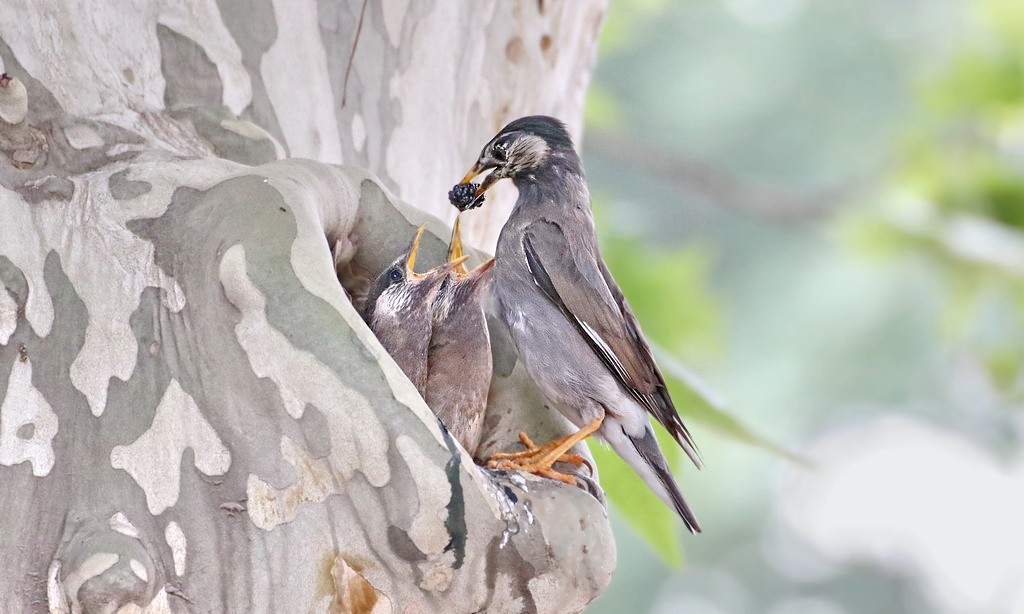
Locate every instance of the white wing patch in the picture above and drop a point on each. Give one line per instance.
(605, 350)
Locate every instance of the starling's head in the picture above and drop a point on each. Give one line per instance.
(400, 292)
(521, 148)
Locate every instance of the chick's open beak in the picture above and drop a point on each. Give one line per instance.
(455, 248)
(481, 274)
(410, 258)
(437, 273)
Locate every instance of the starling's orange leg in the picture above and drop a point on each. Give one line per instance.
(574, 459)
(533, 450)
(539, 460)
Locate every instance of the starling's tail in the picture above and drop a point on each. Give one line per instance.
(644, 455)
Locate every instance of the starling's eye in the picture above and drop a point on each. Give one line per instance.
(395, 275)
(501, 152)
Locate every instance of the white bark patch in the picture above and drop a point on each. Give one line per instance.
(317, 272)
(200, 21)
(166, 177)
(98, 252)
(548, 592)
(269, 507)
(120, 524)
(13, 101)
(8, 314)
(89, 76)
(154, 459)
(394, 14)
(507, 594)
(437, 572)
(81, 136)
(358, 131)
(90, 568)
(160, 605)
(421, 178)
(139, 570)
(249, 130)
(302, 379)
(304, 100)
(25, 405)
(176, 540)
(20, 242)
(433, 492)
(56, 598)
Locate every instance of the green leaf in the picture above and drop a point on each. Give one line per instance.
(696, 401)
(667, 289)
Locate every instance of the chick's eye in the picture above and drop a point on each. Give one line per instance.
(501, 152)
(395, 275)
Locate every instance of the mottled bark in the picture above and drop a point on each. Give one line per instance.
(193, 418)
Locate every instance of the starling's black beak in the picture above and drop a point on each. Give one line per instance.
(473, 172)
(487, 183)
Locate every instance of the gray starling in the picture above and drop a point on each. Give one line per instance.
(574, 331)
(459, 359)
(398, 310)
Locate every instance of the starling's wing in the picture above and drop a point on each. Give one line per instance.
(575, 278)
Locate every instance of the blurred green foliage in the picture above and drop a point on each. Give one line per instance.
(667, 290)
(954, 199)
(957, 198)
(912, 110)
(667, 293)
(965, 152)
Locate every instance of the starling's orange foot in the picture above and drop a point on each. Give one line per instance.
(539, 459)
(534, 468)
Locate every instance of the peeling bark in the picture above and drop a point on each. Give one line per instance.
(193, 417)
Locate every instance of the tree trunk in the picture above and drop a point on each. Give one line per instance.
(193, 417)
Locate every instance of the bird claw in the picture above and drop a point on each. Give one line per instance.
(538, 460)
(534, 468)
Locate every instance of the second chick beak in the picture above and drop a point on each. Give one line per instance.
(455, 248)
(435, 274)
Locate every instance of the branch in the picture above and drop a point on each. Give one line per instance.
(721, 187)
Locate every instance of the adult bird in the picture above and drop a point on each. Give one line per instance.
(399, 310)
(459, 358)
(572, 327)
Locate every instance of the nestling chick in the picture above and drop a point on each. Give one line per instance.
(571, 325)
(459, 358)
(398, 310)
